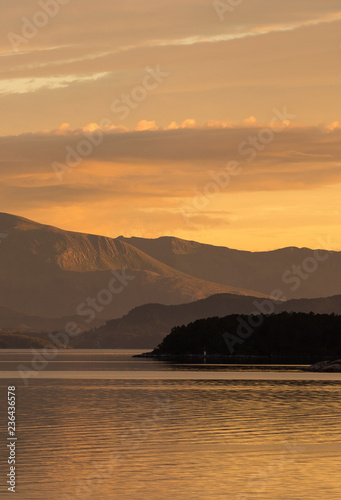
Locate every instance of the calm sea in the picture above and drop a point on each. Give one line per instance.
(103, 425)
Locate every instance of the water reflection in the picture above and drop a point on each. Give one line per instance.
(177, 439)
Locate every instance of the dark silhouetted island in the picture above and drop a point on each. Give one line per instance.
(290, 337)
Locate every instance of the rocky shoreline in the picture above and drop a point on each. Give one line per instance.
(326, 366)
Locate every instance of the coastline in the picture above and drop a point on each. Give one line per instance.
(237, 359)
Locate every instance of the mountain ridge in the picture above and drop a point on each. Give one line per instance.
(45, 271)
(48, 275)
(146, 326)
(262, 271)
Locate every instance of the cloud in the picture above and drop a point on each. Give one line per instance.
(156, 22)
(225, 79)
(146, 125)
(166, 161)
(86, 57)
(28, 85)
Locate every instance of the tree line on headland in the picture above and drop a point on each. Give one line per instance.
(285, 334)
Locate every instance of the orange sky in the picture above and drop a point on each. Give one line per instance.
(174, 118)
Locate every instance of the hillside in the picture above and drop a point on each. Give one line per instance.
(261, 271)
(45, 271)
(146, 326)
(49, 277)
(14, 321)
(19, 341)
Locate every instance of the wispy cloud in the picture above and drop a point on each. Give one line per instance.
(60, 86)
(255, 31)
(28, 85)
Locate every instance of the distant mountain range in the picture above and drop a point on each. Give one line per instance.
(19, 341)
(49, 277)
(146, 326)
(298, 272)
(14, 321)
(47, 272)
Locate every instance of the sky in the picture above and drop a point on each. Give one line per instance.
(214, 121)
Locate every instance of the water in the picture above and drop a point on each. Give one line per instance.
(102, 426)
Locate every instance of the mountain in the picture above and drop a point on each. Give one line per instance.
(17, 341)
(48, 272)
(146, 326)
(322, 305)
(14, 321)
(298, 272)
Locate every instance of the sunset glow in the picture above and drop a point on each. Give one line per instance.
(126, 125)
